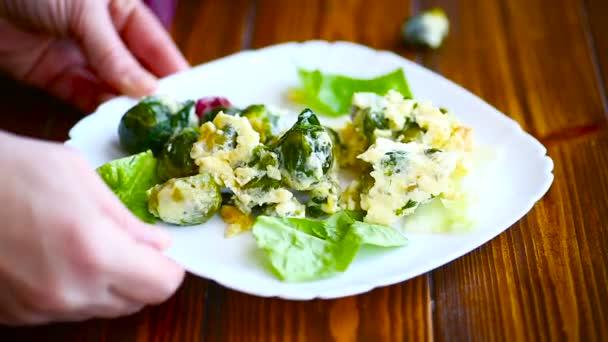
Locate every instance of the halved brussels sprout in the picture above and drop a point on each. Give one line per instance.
(150, 123)
(174, 159)
(305, 152)
(185, 201)
(263, 121)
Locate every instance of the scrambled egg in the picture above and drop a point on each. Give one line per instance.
(404, 153)
(412, 150)
(229, 149)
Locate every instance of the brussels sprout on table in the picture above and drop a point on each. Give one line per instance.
(427, 29)
(150, 123)
(174, 159)
(185, 201)
(305, 152)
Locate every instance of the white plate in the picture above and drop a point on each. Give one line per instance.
(519, 178)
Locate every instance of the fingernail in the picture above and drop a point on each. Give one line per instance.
(139, 84)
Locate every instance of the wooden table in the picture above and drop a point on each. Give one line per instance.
(544, 63)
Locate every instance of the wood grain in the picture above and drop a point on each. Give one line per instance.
(596, 12)
(205, 30)
(529, 58)
(378, 26)
(396, 313)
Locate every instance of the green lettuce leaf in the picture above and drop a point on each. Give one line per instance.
(300, 249)
(293, 254)
(332, 94)
(377, 235)
(129, 178)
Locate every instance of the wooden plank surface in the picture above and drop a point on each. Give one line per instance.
(206, 30)
(352, 20)
(596, 12)
(528, 58)
(395, 313)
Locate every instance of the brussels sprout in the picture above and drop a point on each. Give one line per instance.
(336, 143)
(263, 160)
(427, 29)
(263, 121)
(305, 152)
(185, 201)
(150, 123)
(368, 120)
(174, 159)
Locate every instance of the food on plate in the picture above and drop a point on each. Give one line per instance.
(427, 29)
(305, 153)
(185, 201)
(312, 194)
(174, 159)
(263, 121)
(130, 178)
(413, 151)
(301, 249)
(150, 123)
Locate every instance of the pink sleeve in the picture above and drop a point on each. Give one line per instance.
(164, 10)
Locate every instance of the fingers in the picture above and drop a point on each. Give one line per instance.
(110, 58)
(144, 275)
(113, 307)
(150, 42)
(80, 86)
(141, 232)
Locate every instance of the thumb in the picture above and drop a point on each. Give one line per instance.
(109, 57)
(141, 232)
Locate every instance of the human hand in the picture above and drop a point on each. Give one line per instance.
(68, 249)
(85, 51)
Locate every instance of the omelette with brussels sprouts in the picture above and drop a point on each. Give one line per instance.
(192, 160)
